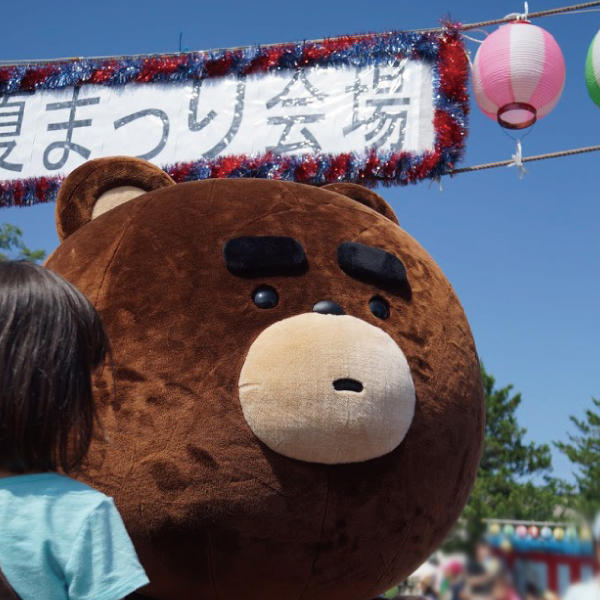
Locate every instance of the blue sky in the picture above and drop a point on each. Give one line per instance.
(522, 255)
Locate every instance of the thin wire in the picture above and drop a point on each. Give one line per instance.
(534, 15)
(505, 163)
(578, 12)
(520, 138)
(466, 27)
(516, 522)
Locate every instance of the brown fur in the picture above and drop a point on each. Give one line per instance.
(6, 590)
(215, 514)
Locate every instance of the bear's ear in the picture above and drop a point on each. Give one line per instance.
(99, 185)
(364, 196)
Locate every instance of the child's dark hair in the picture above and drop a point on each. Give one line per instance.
(51, 340)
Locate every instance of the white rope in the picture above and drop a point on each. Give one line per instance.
(517, 161)
(437, 180)
(472, 39)
(515, 16)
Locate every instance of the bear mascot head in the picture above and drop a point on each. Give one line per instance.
(293, 409)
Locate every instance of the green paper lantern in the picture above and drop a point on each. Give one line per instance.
(592, 69)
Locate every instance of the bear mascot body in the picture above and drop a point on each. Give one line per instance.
(293, 407)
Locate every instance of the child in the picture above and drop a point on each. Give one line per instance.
(427, 587)
(59, 538)
(502, 588)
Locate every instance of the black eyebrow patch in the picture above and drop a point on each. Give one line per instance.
(260, 256)
(372, 265)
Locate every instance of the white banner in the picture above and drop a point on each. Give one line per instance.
(315, 110)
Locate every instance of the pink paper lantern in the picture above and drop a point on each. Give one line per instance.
(534, 532)
(522, 531)
(518, 74)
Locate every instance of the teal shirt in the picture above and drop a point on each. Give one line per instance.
(62, 540)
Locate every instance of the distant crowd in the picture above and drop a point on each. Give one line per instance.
(481, 576)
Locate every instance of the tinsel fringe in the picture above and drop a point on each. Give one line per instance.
(445, 50)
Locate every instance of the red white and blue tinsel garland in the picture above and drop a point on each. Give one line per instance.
(444, 49)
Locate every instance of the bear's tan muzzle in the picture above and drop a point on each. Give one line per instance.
(327, 389)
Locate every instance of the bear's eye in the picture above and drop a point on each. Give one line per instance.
(265, 297)
(379, 307)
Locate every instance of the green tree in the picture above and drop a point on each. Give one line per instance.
(514, 476)
(583, 450)
(13, 247)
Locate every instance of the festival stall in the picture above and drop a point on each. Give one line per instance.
(551, 555)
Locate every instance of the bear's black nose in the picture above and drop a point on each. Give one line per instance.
(347, 385)
(327, 307)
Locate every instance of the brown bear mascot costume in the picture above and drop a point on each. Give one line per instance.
(293, 410)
